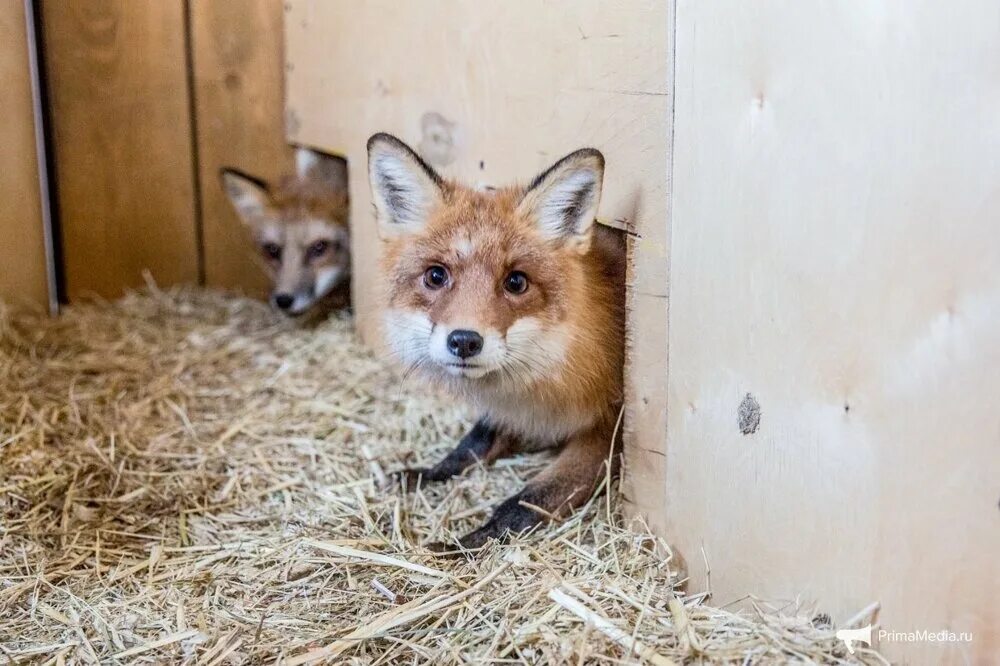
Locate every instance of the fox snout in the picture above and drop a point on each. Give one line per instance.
(295, 303)
(465, 350)
(283, 301)
(297, 288)
(464, 344)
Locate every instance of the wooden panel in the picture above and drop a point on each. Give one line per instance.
(22, 249)
(121, 134)
(835, 254)
(239, 86)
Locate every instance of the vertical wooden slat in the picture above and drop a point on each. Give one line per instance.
(646, 366)
(122, 143)
(834, 255)
(239, 84)
(22, 245)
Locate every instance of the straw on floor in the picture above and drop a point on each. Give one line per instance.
(184, 477)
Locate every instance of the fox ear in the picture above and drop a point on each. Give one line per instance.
(404, 188)
(563, 200)
(248, 195)
(328, 170)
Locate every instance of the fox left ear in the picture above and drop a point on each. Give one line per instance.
(405, 189)
(329, 170)
(249, 195)
(563, 200)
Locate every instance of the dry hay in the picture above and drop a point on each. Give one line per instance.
(187, 478)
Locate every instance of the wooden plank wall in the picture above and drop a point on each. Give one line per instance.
(122, 142)
(835, 255)
(239, 92)
(131, 82)
(23, 274)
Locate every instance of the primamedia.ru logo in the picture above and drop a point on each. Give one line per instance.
(851, 637)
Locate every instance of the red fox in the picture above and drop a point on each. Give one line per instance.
(300, 227)
(513, 299)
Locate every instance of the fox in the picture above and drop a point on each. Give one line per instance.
(300, 227)
(512, 299)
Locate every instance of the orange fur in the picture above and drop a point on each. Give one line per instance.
(294, 199)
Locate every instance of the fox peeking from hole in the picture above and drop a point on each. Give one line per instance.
(513, 299)
(300, 227)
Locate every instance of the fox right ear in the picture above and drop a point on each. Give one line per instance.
(563, 200)
(248, 195)
(323, 168)
(404, 188)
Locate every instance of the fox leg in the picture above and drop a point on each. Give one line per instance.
(483, 443)
(567, 483)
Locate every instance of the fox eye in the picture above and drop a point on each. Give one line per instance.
(271, 251)
(436, 277)
(318, 249)
(516, 282)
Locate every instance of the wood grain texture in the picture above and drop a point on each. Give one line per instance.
(239, 92)
(122, 142)
(23, 275)
(835, 254)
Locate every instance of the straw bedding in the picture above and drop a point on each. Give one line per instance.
(184, 477)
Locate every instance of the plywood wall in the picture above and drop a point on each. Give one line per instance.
(23, 274)
(239, 93)
(117, 72)
(835, 253)
(149, 100)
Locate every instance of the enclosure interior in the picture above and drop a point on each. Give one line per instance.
(814, 305)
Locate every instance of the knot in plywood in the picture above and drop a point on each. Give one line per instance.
(748, 415)
(437, 141)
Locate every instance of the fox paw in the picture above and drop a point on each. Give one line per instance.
(409, 478)
(447, 550)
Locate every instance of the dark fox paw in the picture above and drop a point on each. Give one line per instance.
(472, 543)
(448, 550)
(410, 478)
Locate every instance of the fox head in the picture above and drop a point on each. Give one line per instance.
(299, 226)
(483, 287)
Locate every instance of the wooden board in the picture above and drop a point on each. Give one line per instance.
(22, 249)
(499, 91)
(239, 86)
(836, 255)
(122, 142)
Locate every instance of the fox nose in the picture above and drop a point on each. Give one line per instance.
(284, 301)
(465, 344)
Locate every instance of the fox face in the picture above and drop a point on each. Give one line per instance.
(299, 226)
(485, 288)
